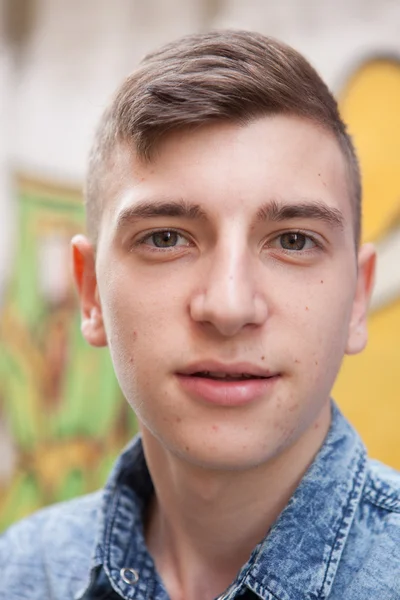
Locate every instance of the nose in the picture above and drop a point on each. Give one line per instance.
(230, 297)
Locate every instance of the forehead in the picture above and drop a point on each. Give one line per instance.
(231, 167)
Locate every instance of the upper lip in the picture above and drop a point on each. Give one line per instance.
(228, 368)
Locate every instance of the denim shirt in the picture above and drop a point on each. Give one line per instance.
(337, 538)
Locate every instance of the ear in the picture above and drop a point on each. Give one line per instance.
(358, 335)
(84, 270)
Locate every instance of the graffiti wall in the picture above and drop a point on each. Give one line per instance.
(369, 385)
(62, 417)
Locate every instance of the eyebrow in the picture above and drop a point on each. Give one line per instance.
(146, 209)
(273, 210)
(277, 211)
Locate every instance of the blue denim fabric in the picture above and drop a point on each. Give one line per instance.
(338, 537)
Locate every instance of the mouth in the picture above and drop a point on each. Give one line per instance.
(227, 385)
(223, 376)
(218, 370)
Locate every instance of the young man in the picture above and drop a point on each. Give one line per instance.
(222, 268)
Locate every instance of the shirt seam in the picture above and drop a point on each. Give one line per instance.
(343, 527)
(107, 542)
(382, 500)
(258, 588)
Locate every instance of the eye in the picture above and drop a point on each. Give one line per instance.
(294, 241)
(164, 238)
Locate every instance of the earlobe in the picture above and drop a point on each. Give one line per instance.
(358, 335)
(84, 270)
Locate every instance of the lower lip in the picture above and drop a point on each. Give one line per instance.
(226, 393)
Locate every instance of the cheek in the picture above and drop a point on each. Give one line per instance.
(318, 324)
(139, 325)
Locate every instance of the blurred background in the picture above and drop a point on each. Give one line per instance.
(62, 418)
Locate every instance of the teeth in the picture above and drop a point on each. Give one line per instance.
(218, 375)
(221, 375)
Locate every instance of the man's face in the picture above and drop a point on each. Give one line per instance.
(231, 252)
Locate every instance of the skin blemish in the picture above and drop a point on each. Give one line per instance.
(322, 281)
(263, 358)
(296, 360)
(316, 363)
(178, 420)
(306, 307)
(215, 428)
(187, 448)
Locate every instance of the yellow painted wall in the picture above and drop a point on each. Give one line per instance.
(368, 388)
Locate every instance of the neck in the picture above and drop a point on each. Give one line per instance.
(203, 524)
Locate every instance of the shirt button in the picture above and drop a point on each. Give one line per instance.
(130, 576)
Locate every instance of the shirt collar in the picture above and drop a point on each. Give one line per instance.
(299, 557)
(119, 539)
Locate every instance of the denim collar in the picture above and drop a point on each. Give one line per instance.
(297, 560)
(300, 556)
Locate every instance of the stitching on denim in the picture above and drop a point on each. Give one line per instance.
(116, 501)
(356, 483)
(110, 523)
(107, 540)
(246, 575)
(382, 500)
(261, 588)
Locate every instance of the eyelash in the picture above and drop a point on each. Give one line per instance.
(307, 235)
(148, 235)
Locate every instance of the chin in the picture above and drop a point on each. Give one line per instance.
(222, 455)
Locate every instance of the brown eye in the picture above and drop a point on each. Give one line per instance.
(164, 239)
(293, 241)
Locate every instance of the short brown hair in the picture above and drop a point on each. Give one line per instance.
(222, 75)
